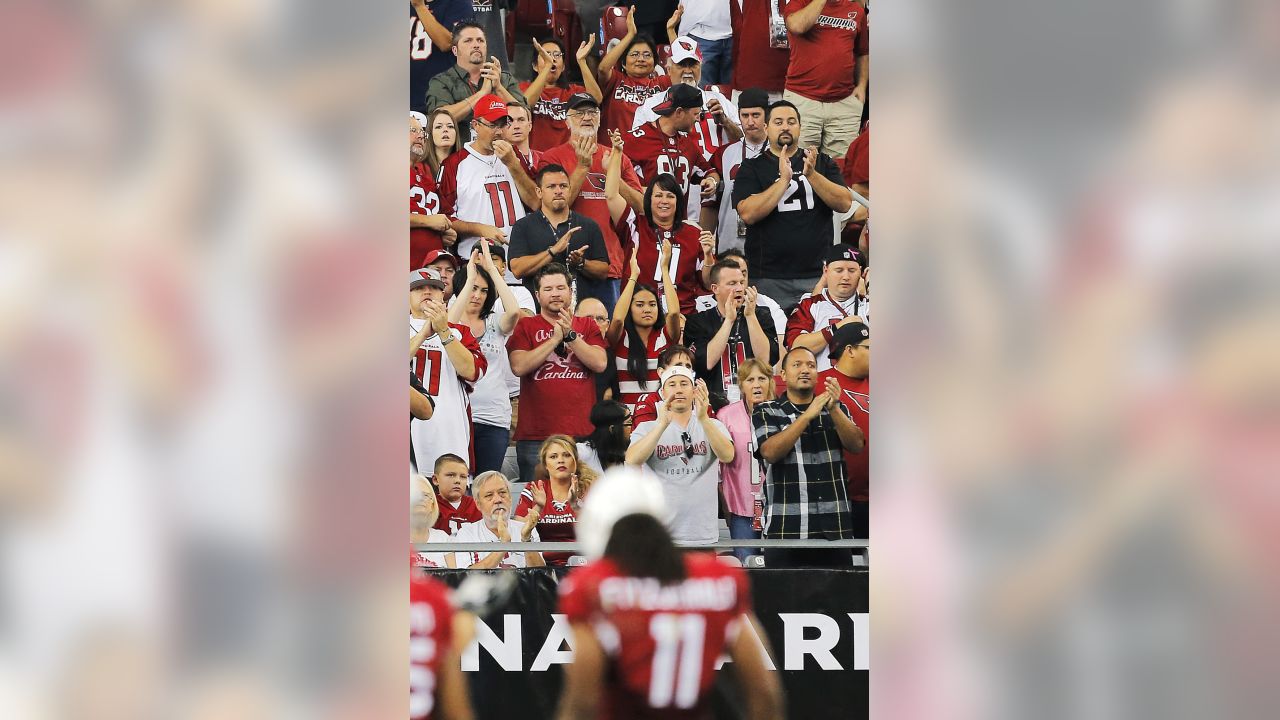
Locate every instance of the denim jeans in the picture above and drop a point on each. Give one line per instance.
(716, 54)
(740, 529)
(491, 447)
(527, 459)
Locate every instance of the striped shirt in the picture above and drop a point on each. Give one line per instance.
(805, 492)
(628, 384)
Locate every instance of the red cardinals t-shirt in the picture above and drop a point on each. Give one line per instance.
(591, 200)
(549, 128)
(430, 633)
(423, 200)
(622, 95)
(822, 60)
(857, 162)
(665, 640)
(556, 523)
(686, 255)
(557, 396)
(856, 398)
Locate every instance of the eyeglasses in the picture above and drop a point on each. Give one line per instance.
(500, 124)
(688, 444)
(555, 55)
(640, 55)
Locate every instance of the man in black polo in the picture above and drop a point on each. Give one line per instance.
(557, 234)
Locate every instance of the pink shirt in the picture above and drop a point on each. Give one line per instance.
(735, 477)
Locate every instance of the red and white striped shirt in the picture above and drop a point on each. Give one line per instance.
(628, 384)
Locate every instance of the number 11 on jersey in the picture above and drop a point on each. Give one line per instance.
(677, 659)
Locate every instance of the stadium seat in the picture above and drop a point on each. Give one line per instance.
(565, 25)
(613, 26)
(730, 560)
(664, 54)
(533, 16)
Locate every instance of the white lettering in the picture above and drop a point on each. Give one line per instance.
(750, 629)
(795, 645)
(551, 654)
(505, 651)
(861, 640)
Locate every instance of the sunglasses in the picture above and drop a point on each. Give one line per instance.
(688, 444)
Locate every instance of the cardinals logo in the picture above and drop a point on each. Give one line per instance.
(862, 401)
(558, 506)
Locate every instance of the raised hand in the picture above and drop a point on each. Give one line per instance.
(530, 520)
(502, 531)
(664, 255)
(492, 70)
(784, 161)
(438, 317)
(731, 308)
(833, 389)
(615, 137)
(635, 262)
(715, 110)
(539, 495)
(546, 56)
(674, 22)
(565, 322)
(577, 257)
(810, 160)
(820, 401)
(751, 297)
(584, 49)
(707, 240)
(701, 399)
(584, 146)
(631, 22)
(486, 259)
(563, 243)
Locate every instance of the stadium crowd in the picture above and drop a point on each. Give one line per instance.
(633, 241)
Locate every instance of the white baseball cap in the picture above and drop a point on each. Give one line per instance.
(685, 48)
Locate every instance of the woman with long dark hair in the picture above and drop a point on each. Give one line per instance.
(475, 293)
(640, 330)
(606, 446)
(442, 139)
(662, 222)
(549, 92)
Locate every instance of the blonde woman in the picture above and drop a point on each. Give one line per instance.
(742, 480)
(559, 496)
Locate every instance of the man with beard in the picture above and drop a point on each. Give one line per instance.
(557, 234)
(664, 146)
(716, 125)
(851, 353)
(685, 455)
(556, 357)
(493, 497)
(718, 214)
(427, 225)
(586, 160)
(801, 437)
(460, 88)
(786, 198)
(446, 359)
(815, 320)
(724, 336)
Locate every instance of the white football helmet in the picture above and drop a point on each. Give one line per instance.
(621, 491)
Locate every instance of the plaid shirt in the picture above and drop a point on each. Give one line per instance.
(805, 491)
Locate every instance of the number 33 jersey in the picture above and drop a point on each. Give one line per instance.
(662, 642)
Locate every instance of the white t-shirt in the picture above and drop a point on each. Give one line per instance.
(690, 484)
(491, 399)
(708, 20)
(587, 456)
(708, 301)
(433, 559)
(479, 532)
(479, 188)
(525, 299)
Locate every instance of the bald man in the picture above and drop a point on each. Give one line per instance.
(605, 381)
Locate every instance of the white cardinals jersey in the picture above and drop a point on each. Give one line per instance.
(479, 189)
(449, 429)
(821, 311)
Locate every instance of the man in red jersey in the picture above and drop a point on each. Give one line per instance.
(649, 623)
(437, 690)
(827, 75)
(665, 146)
(427, 225)
(851, 352)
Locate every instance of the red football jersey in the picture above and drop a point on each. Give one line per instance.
(662, 642)
(686, 255)
(452, 518)
(653, 152)
(423, 200)
(856, 398)
(549, 113)
(555, 523)
(645, 409)
(430, 633)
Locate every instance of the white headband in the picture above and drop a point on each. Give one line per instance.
(673, 371)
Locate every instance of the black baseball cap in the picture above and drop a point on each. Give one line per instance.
(846, 335)
(679, 96)
(580, 99)
(841, 251)
(753, 98)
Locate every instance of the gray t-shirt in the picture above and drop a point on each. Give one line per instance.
(689, 483)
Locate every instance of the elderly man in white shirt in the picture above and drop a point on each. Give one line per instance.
(492, 493)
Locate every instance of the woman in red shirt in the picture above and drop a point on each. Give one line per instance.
(640, 323)
(548, 95)
(663, 222)
(626, 90)
(558, 496)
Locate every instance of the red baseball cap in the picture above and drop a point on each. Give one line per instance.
(490, 109)
(435, 255)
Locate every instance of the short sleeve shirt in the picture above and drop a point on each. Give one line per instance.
(790, 242)
(557, 396)
(690, 475)
(822, 60)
